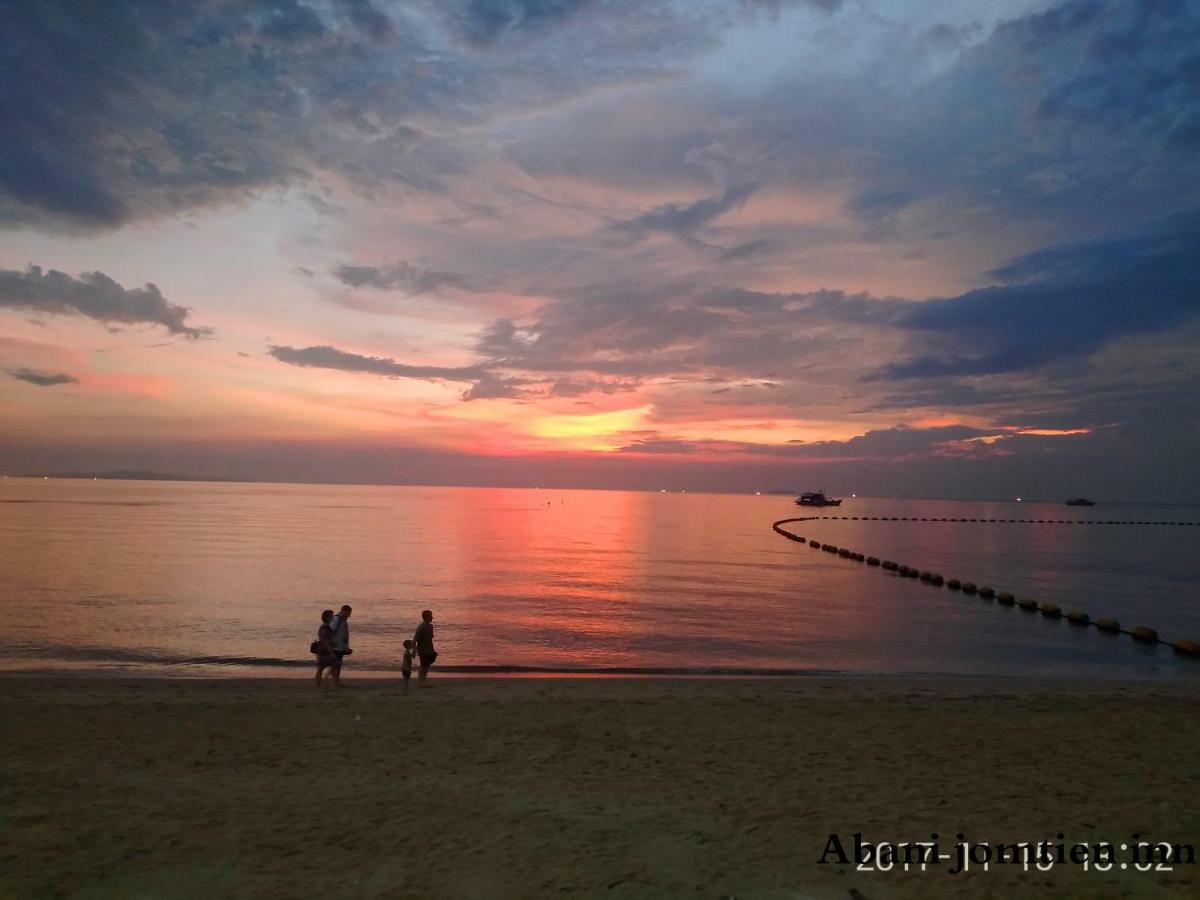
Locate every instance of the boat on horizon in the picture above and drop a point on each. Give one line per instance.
(816, 498)
(1080, 501)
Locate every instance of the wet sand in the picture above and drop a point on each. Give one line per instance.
(553, 787)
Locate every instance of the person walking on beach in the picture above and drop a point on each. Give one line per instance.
(339, 626)
(423, 638)
(326, 658)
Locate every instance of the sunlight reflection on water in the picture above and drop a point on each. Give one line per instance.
(230, 578)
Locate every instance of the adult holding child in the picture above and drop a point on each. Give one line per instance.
(339, 627)
(423, 640)
(323, 648)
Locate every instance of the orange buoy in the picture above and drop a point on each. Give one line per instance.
(968, 587)
(1051, 611)
(1143, 634)
(1028, 604)
(1077, 617)
(1187, 648)
(1111, 626)
(1006, 598)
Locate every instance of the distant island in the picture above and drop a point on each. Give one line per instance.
(130, 475)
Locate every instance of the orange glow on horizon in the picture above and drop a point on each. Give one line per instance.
(594, 431)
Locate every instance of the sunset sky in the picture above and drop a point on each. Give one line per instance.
(902, 248)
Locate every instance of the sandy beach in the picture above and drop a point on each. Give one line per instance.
(552, 787)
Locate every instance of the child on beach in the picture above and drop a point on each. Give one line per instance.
(406, 665)
(326, 657)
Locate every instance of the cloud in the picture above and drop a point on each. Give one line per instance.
(42, 379)
(369, 20)
(94, 295)
(682, 329)
(326, 357)
(483, 22)
(495, 387)
(682, 220)
(289, 20)
(745, 250)
(400, 276)
(146, 109)
(1061, 303)
(891, 443)
(567, 387)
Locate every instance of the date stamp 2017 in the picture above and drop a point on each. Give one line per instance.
(1044, 854)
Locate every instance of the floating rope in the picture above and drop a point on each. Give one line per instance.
(1078, 617)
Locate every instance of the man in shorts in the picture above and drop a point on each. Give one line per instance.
(423, 639)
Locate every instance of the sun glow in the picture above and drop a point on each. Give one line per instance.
(596, 431)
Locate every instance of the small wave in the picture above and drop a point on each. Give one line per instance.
(92, 502)
(148, 657)
(160, 659)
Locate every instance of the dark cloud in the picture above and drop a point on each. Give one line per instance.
(42, 379)
(745, 250)
(139, 108)
(1101, 94)
(95, 295)
(1060, 304)
(288, 20)
(892, 443)
(496, 387)
(483, 22)
(775, 7)
(400, 276)
(682, 220)
(326, 357)
(369, 20)
(879, 202)
(568, 387)
(683, 329)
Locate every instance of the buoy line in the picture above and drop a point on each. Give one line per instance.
(1078, 617)
(989, 521)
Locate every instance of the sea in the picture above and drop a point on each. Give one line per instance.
(186, 579)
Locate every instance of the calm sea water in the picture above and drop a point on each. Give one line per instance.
(198, 578)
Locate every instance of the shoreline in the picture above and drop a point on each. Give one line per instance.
(1187, 683)
(532, 787)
